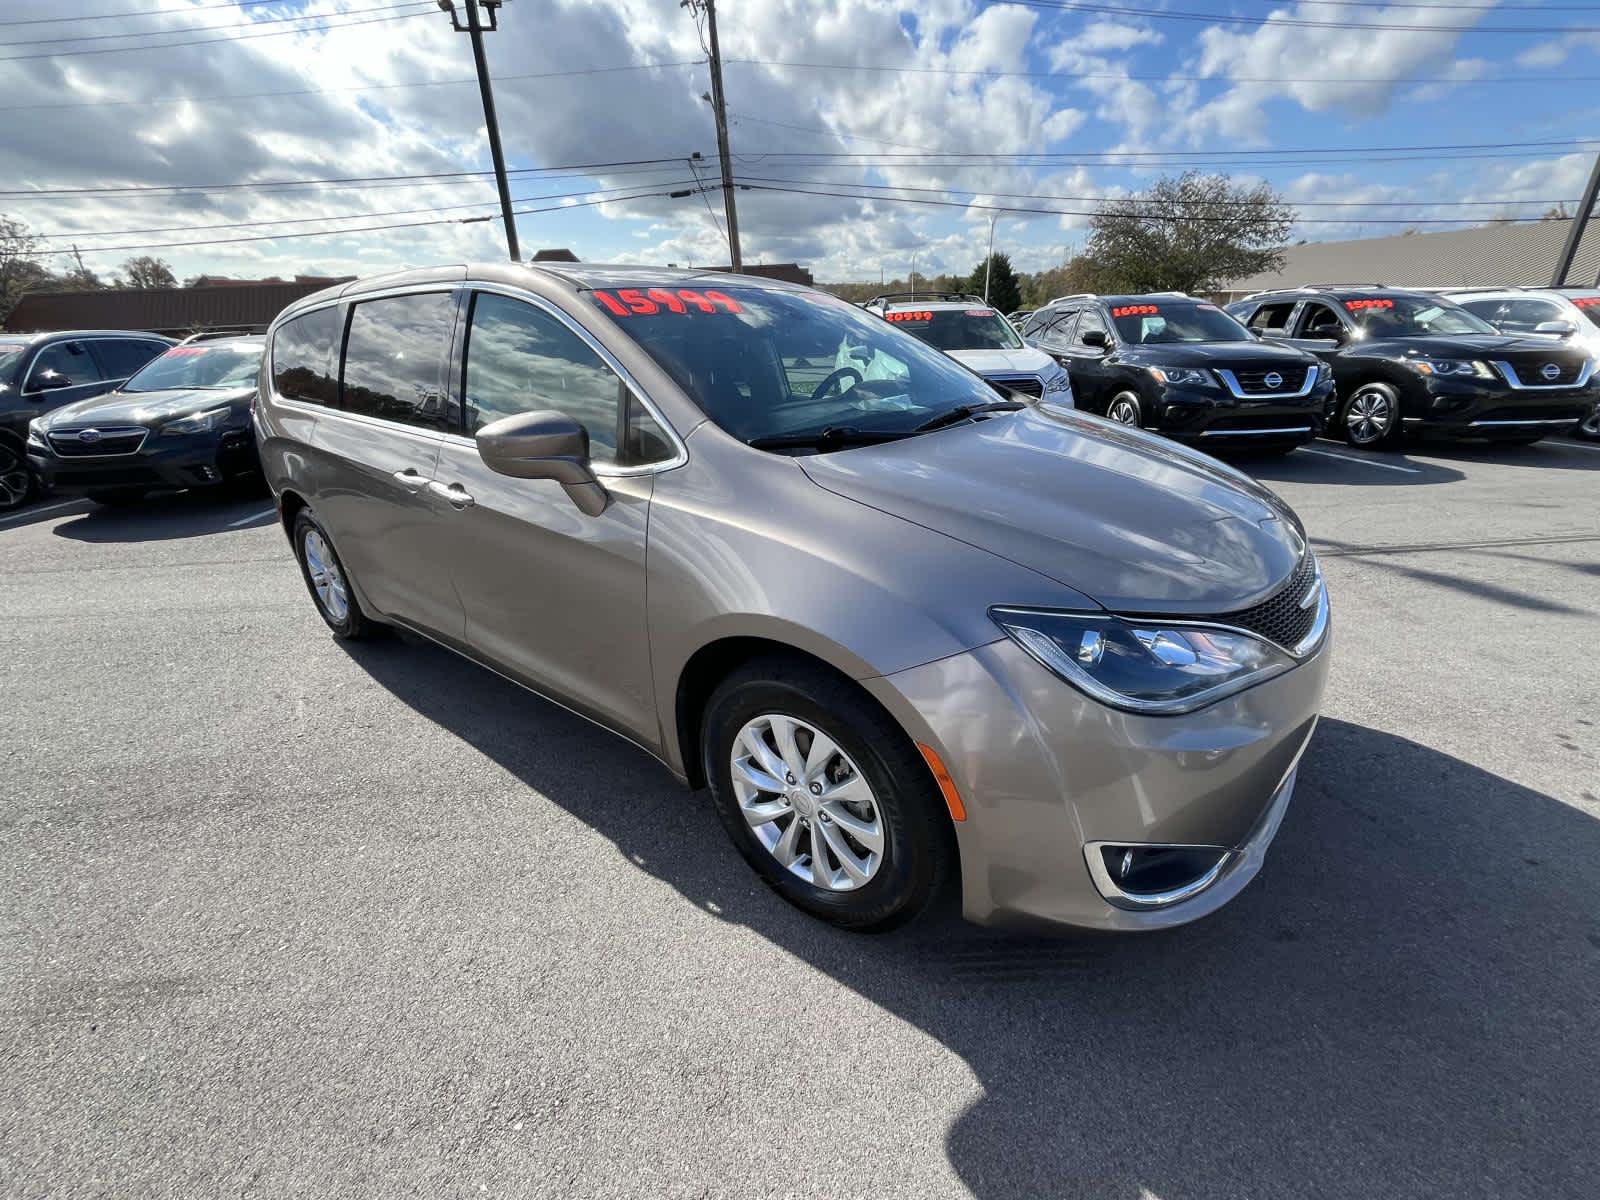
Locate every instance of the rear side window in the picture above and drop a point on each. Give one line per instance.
(304, 353)
(1522, 316)
(1271, 318)
(65, 364)
(394, 360)
(121, 357)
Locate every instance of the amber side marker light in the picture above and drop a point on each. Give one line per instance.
(952, 798)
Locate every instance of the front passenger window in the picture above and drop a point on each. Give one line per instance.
(521, 359)
(65, 364)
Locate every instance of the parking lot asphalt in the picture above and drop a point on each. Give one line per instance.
(284, 917)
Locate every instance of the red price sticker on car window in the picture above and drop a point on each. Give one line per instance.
(1586, 301)
(980, 312)
(1135, 310)
(1363, 305)
(185, 352)
(647, 302)
(910, 314)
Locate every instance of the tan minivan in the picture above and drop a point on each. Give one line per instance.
(905, 625)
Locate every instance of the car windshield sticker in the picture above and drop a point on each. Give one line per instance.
(1135, 310)
(1359, 305)
(185, 352)
(911, 314)
(980, 312)
(1586, 301)
(627, 302)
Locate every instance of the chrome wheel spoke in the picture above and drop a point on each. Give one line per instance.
(822, 873)
(753, 741)
(869, 833)
(760, 813)
(784, 849)
(758, 777)
(822, 752)
(783, 731)
(859, 870)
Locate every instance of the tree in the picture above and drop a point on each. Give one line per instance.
(147, 272)
(20, 270)
(1194, 233)
(1004, 291)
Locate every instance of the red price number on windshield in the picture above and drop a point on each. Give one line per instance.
(647, 302)
(909, 315)
(1135, 310)
(1361, 305)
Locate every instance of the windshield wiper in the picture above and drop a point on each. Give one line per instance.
(962, 411)
(834, 437)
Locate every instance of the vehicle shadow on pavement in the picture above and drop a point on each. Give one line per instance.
(1344, 467)
(1548, 454)
(171, 516)
(1403, 1004)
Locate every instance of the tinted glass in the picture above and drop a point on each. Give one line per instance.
(65, 360)
(1320, 321)
(520, 359)
(1091, 319)
(1057, 328)
(305, 355)
(766, 363)
(394, 360)
(1412, 316)
(957, 328)
(1271, 318)
(122, 357)
(1161, 322)
(1524, 316)
(216, 365)
(11, 355)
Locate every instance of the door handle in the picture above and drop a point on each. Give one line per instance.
(410, 480)
(457, 495)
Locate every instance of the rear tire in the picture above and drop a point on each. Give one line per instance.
(328, 582)
(894, 802)
(1371, 416)
(17, 482)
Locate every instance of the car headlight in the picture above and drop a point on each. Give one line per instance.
(200, 422)
(1058, 387)
(36, 435)
(1153, 667)
(1183, 376)
(1457, 368)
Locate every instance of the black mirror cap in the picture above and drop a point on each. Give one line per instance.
(1096, 338)
(49, 381)
(544, 445)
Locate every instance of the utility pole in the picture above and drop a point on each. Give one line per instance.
(477, 28)
(1580, 221)
(719, 106)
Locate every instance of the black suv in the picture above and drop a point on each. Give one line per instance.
(43, 371)
(1181, 366)
(1414, 362)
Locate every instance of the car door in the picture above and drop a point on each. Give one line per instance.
(61, 373)
(378, 448)
(553, 597)
(1090, 364)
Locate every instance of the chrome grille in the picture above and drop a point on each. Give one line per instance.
(1028, 385)
(1253, 380)
(93, 441)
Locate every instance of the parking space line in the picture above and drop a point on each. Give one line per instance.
(32, 513)
(1367, 462)
(1575, 445)
(255, 516)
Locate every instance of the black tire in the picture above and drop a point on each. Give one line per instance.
(17, 482)
(119, 498)
(1126, 400)
(919, 844)
(1589, 428)
(1356, 432)
(354, 625)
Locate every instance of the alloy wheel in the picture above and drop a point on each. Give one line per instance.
(15, 480)
(1369, 417)
(326, 578)
(807, 802)
(1591, 424)
(1123, 411)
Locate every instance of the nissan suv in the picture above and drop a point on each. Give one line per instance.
(977, 337)
(1182, 367)
(1411, 362)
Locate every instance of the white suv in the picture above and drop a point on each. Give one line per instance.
(979, 338)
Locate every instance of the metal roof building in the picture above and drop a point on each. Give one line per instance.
(243, 305)
(1484, 256)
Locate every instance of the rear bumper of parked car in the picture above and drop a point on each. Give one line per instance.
(161, 462)
(1051, 781)
(1471, 409)
(1213, 420)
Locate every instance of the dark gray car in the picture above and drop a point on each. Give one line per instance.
(903, 628)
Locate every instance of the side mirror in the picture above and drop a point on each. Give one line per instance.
(544, 445)
(1096, 338)
(1558, 328)
(49, 381)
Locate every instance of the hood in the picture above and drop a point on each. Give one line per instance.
(145, 408)
(1468, 345)
(1025, 360)
(1222, 354)
(1137, 523)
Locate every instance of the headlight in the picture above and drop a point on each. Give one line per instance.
(1150, 667)
(1058, 384)
(1182, 376)
(1457, 368)
(36, 435)
(200, 422)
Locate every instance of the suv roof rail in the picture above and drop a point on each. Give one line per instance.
(207, 335)
(1185, 295)
(1073, 296)
(1323, 286)
(952, 297)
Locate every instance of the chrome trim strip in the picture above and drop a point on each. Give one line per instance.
(1515, 380)
(1253, 432)
(1555, 421)
(1110, 890)
(1319, 624)
(1231, 382)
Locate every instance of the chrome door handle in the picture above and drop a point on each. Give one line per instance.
(410, 480)
(457, 495)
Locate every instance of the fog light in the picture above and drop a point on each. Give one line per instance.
(1153, 876)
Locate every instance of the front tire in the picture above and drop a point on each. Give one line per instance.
(1371, 416)
(1124, 409)
(860, 837)
(17, 484)
(1589, 428)
(327, 580)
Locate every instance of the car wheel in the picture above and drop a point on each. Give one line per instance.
(824, 795)
(1371, 415)
(119, 498)
(1589, 427)
(1124, 409)
(327, 580)
(16, 479)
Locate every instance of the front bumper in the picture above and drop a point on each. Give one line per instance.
(1044, 772)
(1456, 408)
(160, 462)
(1216, 420)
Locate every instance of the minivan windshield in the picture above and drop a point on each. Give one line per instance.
(957, 328)
(777, 364)
(217, 365)
(1412, 316)
(1158, 322)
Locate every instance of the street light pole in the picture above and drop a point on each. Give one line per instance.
(988, 262)
(476, 28)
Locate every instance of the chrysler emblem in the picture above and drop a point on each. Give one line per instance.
(89, 435)
(1550, 370)
(1273, 379)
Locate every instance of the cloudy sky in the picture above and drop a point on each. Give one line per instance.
(867, 131)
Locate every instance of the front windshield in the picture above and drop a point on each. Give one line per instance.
(765, 363)
(218, 365)
(1412, 316)
(1159, 323)
(10, 359)
(957, 328)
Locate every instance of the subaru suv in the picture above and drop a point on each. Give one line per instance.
(1410, 362)
(903, 627)
(976, 336)
(1183, 367)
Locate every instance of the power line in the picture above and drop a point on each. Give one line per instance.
(298, 17)
(1116, 156)
(1152, 14)
(128, 13)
